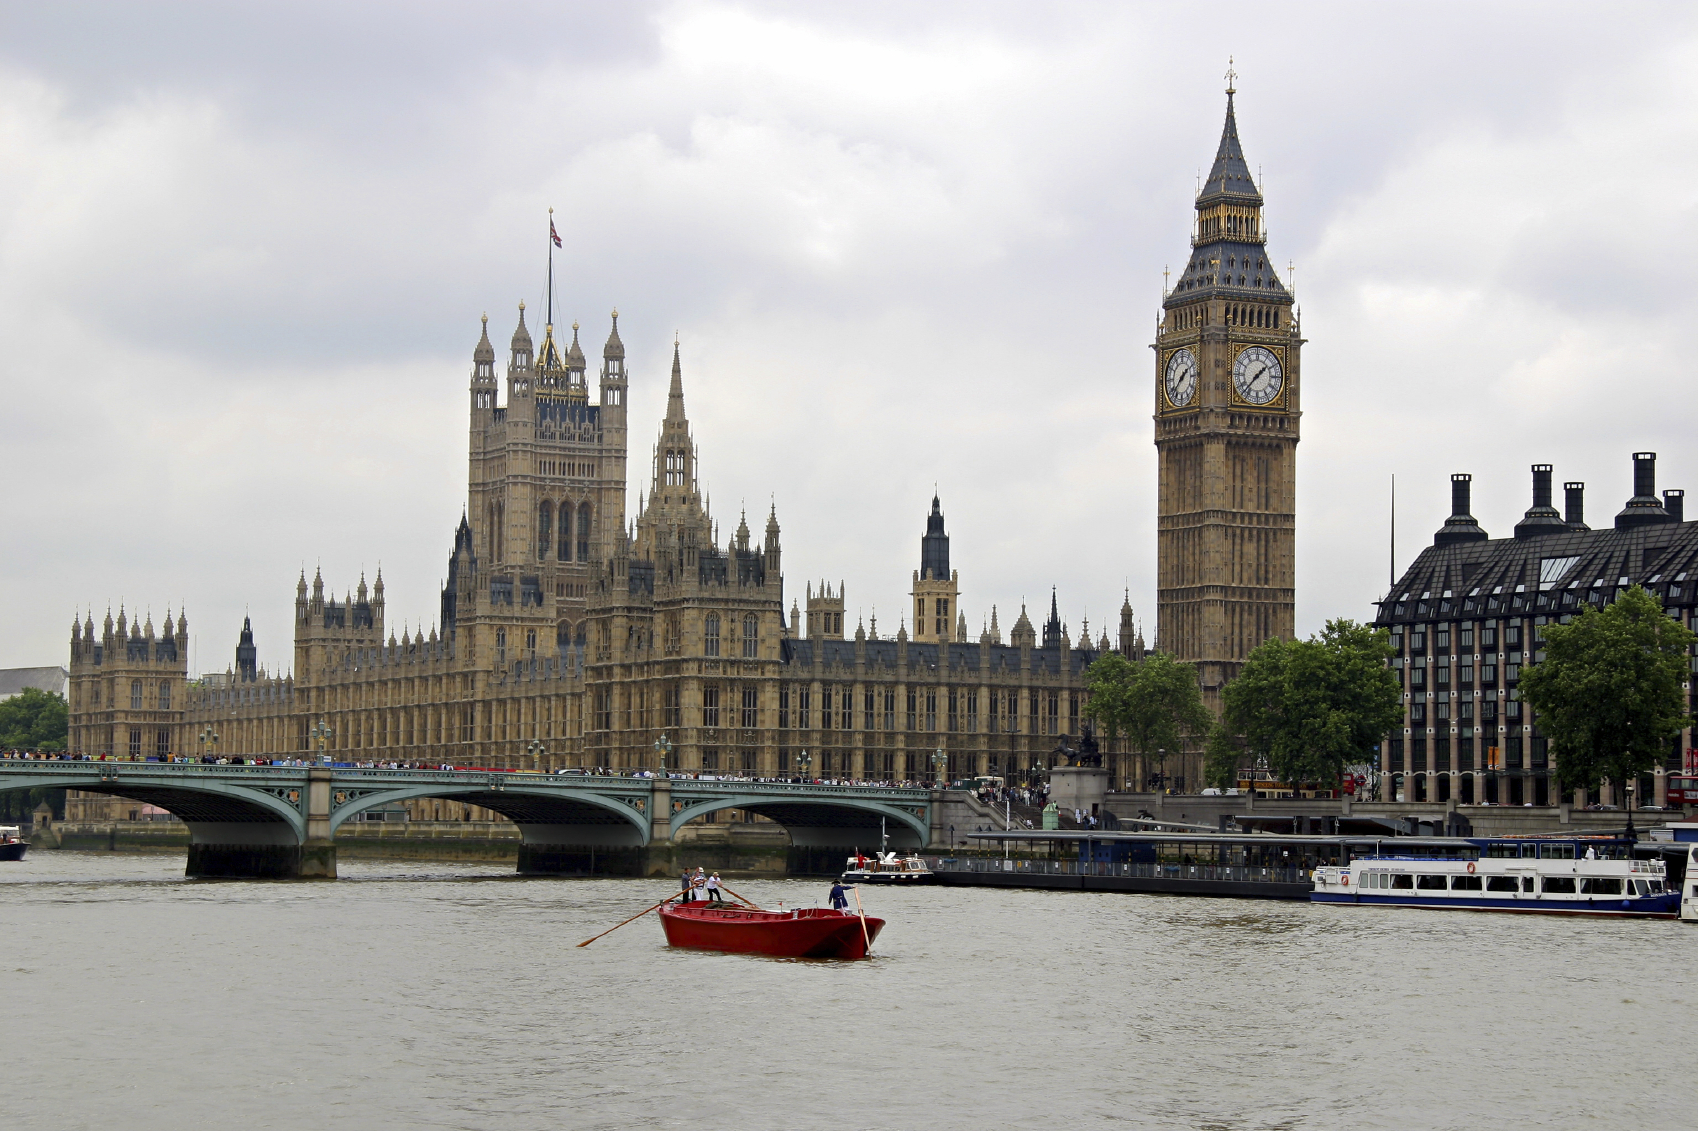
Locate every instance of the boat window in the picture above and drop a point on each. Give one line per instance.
(1430, 883)
(1465, 883)
(1559, 885)
(1526, 883)
(1557, 852)
(1503, 851)
(1502, 883)
(1601, 885)
(1402, 881)
(1642, 887)
(1529, 851)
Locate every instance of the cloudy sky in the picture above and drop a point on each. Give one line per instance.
(244, 248)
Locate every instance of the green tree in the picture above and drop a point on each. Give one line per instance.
(1312, 707)
(33, 720)
(1155, 702)
(1608, 692)
(1223, 758)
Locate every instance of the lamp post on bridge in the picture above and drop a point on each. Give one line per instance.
(322, 733)
(662, 747)
(939, 760)
(803, 761)
(536, 750)
(208, 742)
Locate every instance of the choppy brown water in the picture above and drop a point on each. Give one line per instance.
(443, 996)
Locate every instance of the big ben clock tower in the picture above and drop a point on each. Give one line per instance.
(1226, 399)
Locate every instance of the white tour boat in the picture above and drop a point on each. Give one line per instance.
(1689, 890)
(887, 868)
(1564, 876)
(12, 843)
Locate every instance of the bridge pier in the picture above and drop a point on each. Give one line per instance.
(318, 853)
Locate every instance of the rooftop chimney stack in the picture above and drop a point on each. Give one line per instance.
(1460, 526)
(1574, 506)
(1541, 518)
(1644, 508)
(1674, 502)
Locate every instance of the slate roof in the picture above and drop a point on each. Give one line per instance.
(1229, 266)
(14, 680)
(1551, 575)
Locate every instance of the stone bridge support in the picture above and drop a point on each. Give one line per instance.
(268, 850)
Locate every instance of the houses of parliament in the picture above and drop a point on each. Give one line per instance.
(568, 637)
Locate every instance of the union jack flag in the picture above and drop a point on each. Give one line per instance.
(552, 234)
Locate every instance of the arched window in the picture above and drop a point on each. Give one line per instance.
(584, 514)
(751, 637)
(710, 644)
(545, 530)
(563, 635)
(565, 554)
(135, 695)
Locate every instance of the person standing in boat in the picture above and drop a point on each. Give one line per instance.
(684, 887)
(713, 889)
(698, 885)
(839, 897)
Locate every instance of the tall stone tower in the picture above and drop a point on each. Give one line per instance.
(935, 593)
(546, 490)
(1226, 401)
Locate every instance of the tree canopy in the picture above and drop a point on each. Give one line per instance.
(1608, 692)
(1312, 707)
(1154, 702)
(33, 720)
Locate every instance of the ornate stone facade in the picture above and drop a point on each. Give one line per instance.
(568, 639)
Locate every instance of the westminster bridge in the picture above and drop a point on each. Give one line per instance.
(281, 821)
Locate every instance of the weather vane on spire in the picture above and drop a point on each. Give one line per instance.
(1231, 76)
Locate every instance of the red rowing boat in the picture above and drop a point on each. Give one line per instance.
(808, 933)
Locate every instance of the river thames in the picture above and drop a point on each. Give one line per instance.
(449, 996)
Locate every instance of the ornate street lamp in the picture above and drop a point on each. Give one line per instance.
(939, 760)
(803, 761)
(536, 750)
(662, 747)
(208, 742)
(323, 733)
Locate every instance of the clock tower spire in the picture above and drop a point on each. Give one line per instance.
(1226, 431)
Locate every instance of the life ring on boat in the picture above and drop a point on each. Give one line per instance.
(1470, 867)
(1345, 879)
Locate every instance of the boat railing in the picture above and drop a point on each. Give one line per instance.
(1233, 873)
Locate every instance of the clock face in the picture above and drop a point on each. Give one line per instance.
(1257, 376)
(1181, 378)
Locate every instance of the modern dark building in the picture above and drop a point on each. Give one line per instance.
(1470, 611)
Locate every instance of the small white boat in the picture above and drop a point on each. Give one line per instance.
(1689, 889)
(887, 868)
(12, 843)
(1569, 876)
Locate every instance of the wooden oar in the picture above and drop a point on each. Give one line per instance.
(862, 912)
(733, 894)
(632, 919)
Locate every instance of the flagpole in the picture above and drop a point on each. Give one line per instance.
(551, 265)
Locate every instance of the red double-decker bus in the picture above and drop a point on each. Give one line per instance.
(1683, 789)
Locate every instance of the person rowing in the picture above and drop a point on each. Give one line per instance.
(839, 897)
(713, 889)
